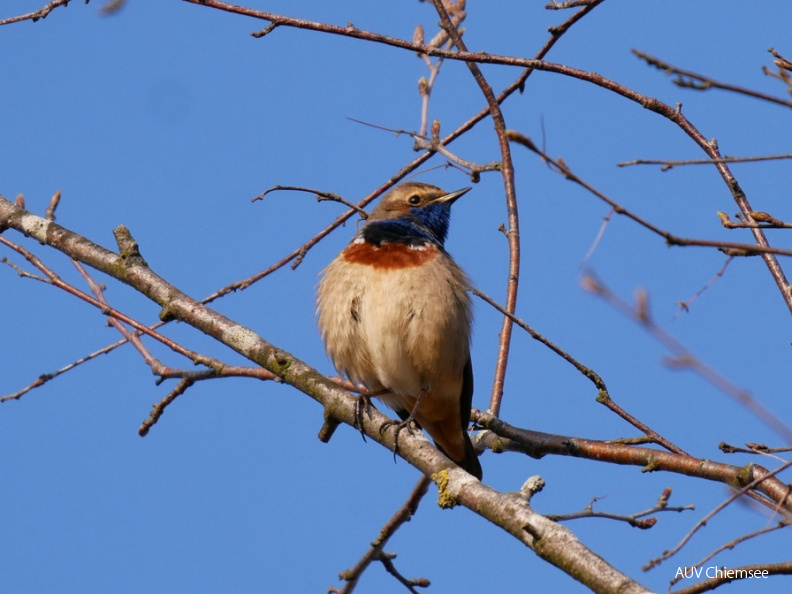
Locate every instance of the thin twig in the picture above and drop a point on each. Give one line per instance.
(376, 551)
(507, 172)
(320, 196)
(603, 396)
(55, 280)
(703, 521)
(19, 270)
(730, 248)
(49, 214)
(670, 164)
(218, 368)
(600, 234)
(701, 82)
(45, 377)
(683, 358)
(729, 546)
(636, 520)
(435, 145)
(759, 220)
(160, 407)
(685, 305)
(555, 5)
(753, 448)
(37, 14)
(784, 69)
(731, 574)
(425, 86)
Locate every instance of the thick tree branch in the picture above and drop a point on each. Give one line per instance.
(504, 437)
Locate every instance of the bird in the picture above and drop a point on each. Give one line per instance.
(395, 315)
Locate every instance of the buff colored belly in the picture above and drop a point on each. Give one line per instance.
(401, 324)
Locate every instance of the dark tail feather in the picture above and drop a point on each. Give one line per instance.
(470, 463)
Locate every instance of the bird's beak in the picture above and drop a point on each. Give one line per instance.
(450, 198)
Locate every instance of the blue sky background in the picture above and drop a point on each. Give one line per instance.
(169, 118)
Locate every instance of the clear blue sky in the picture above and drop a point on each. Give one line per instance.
(169, 118)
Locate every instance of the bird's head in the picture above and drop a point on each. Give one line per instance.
(420, 207)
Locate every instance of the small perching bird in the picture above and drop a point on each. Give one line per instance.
(395, 316)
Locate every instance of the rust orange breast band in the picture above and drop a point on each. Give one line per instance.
(389, 256)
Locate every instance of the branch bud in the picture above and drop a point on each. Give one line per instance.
(418, 35)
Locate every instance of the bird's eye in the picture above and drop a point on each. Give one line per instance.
(415, 199)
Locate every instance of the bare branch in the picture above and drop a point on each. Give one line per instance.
(683, 358)
(700, 82)
(41, 13)
(555, 5)
(513, 236)
(703, 522)
(159, 408)
(603, 396)
(52, 206)
(376, 551)
(685, 305)
(56, 281)
(730, 545)
(503, 437)
(636, 520)
(736, 573)
(753, 448)
(759, 220)
(320, 196)
(669, 164)
(727, 247)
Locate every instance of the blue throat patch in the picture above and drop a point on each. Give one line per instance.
(417, 227)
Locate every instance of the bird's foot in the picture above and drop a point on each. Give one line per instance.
(405, 423)
(400, 425)
(362, 407)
